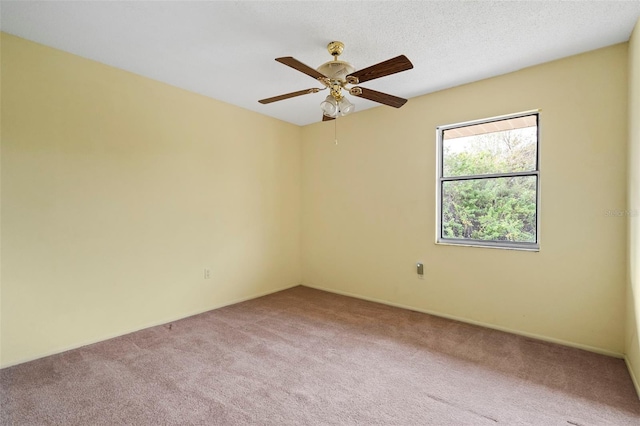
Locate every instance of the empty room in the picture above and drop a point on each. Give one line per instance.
(320, 213)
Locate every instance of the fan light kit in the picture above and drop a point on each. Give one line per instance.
(335, 75)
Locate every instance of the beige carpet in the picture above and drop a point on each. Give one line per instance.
(306, 357)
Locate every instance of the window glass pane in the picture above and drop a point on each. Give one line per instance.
(490, 148)
(490, 209)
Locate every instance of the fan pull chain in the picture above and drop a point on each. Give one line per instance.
(335, 130)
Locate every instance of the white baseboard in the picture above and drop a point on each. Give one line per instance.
(344, 293)
(634, 379)
(479, 323)
(149, 325)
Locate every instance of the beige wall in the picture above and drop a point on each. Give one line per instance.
(632, 345)
(369, 206)
(118, 190)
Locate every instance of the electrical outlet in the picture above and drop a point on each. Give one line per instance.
(207, 273)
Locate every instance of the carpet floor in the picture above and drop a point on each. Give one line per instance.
(307, 357)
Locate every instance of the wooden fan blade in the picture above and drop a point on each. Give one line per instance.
(373, 95)
(289, 95)
(388, 67)
(325, 118)
(297, 65)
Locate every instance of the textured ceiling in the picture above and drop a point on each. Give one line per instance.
(226, 50)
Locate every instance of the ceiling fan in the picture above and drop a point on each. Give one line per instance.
(335, 75)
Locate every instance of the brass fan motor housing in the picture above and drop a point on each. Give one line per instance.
(336, 70)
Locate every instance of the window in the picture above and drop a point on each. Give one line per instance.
(489, 182)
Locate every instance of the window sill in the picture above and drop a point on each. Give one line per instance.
(531, 248)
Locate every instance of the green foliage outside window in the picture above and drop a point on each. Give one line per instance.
(496, 208)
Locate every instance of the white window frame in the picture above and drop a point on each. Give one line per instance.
(529, 246)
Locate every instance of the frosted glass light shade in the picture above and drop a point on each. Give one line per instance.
(346, 107)
(329, 107)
